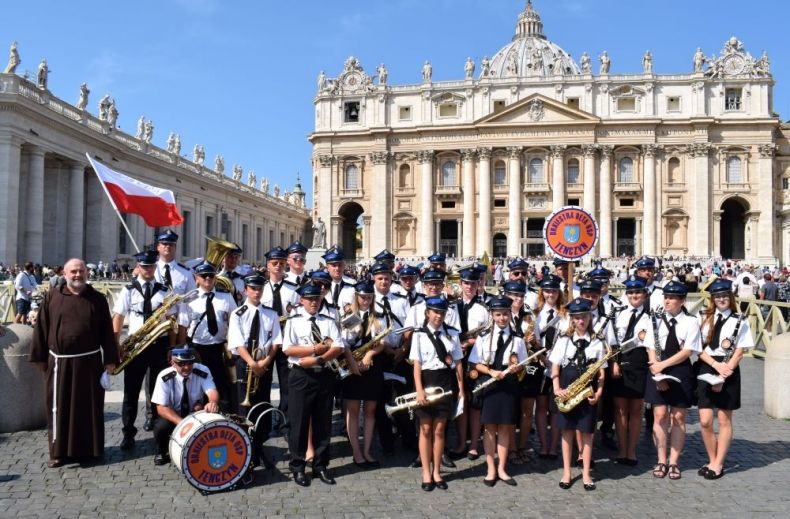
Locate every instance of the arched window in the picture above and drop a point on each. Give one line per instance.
(404, 176)
(573, 171)
(500, 173)
(673, 170)
(448, 174)
(625, 174)
(734, 175)
(352, 177)
(535, 171)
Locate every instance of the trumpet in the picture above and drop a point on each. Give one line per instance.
(333, 364)
(409, 401)
(253, 380)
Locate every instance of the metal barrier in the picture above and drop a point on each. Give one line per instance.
(110, 290)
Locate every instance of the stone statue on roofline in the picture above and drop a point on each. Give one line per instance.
(13, 60)
(112, 114)
(469, 68)
(606, 63)
(42, 77)
(148, 135)
(82, 103)
(140, 127)
(219, 165)
(104, 107)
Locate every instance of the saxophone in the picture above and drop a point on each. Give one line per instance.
(153, 328)
(360, 352)
(581, 388)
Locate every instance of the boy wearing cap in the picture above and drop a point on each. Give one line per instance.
(296, 261)
(179, 392)
(138, 300)
(341, 291)
(173, 275)
(230, 264)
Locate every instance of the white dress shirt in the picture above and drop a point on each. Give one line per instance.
(192, 316)
(183, 279)
(169, 386)
(424, 352)
(239, 328)
(565, 350)
(130, 302)
(298, 332)
(484, 350)
(744, 339)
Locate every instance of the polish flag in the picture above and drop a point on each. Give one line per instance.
(155, 205)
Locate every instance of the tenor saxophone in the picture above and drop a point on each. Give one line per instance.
(581, 388)
(153, 328)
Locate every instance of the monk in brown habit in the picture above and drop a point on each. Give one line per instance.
(73, 343)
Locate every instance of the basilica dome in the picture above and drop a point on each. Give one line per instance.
(530, 54)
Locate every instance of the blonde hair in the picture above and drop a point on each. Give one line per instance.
(374, 326)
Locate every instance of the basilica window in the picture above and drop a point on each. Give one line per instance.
(626, 104)
(573, 171)
(404, 113)
(448, 174)
(625, 173)
(351, 180)
(448, 110)
(732, 99)
(499, 105)
(734, 175)
(500, 202)
(673, 104)
(404, 176)
(673, 170)
(351, 112)
(535, 171)
(573, 102)
(500, 173)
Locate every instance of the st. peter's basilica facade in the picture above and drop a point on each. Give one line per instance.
(695, 163)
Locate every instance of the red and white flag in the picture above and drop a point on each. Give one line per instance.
(155, 205)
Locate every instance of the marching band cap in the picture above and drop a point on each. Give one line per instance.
(433, 274)
(364, 287)
(518, 264)
(167, 236)
(436, 303)
(515, 287)
(334, 255)
(634, 283)
(550, 283)
(235, 250)
(309, 290)
(437, 257)
(590, 285)
(559, 261)
(600, 273)
(254, 280)
(408, 270)
(321, 276)
(579, 306)
(384, 255)
(645, 263)
(146, 257)
(296, 247)
(675, 288)
(500, 303)
(482, 269)
(276, 253)
(183, 353)
(205, 268)
(380, 268)
(720, 286)
(470, 274)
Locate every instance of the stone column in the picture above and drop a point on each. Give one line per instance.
(438, 235)
(717, 232)
(381, 202)
(76, 212)
(558, 197)
(467, 159)
(638, 251)
(700, 242)
(34, 208)
(324, 187)
(335, 234)
(10, 163)
(514, 201)
(589, 177)
(765, 225)
(649, 199)
(426, 242)
(484, 239)
(605, 220)
(366, 251)
(614, 226)
(460, 233)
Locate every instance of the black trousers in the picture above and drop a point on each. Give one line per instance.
(213, 356)
(404, 424)
(154, 358)
(607, 406)
(162, 431)
(263, 394)
(281, 362)
(311, 395)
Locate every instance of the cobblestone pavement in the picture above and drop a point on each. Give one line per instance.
(129, 485)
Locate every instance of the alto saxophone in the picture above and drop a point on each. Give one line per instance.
(360, 352)
(581, 388)
(153, 328)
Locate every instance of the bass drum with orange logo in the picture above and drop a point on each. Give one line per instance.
(213, 452)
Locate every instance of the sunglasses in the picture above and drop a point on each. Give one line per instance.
(182, 363)
(300, 259)
(276, 262)
(205, 276)
(518, 273)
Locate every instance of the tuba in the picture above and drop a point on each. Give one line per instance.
(215, 253)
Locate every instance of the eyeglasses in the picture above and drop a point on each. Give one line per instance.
(182, 363)
(300, 259)
(518, 273)
(206, 276)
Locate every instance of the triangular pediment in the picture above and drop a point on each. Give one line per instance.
(537, 109)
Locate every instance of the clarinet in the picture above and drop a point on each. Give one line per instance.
(731, 342)
(654, 316)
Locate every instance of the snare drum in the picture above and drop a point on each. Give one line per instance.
(213, 452)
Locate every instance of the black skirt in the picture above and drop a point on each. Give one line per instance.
(501, 402)
(728, 399)
(442, 408)
(635, 372)
(582, 417)
(530, 385)
(678, 394)
(366, 386)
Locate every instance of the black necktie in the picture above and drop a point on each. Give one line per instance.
(629, 331)
(551, 331)
(168, 279)
(277, 303)
(580, 358)
(315, 330)
(412, 298)
(441, 350)
(298, 281)
(463, 315)
(255, 330)
(672, 345)
(385, 304)
(715, 340)
(335, 293)
(364, 327)
(500, 351)
(184, 406)
(211, 315)
(147, 309)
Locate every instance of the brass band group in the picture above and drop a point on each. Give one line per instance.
(410, 354)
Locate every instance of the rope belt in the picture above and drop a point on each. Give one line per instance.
(55, 387)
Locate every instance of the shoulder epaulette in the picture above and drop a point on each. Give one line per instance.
(395, 294)
(289, 283)
(130, 286)
(199, 372)
(168, 376)
(449, 328)
(327, 304)
(240, 311)
(159, 287)
(267, 307)
(182, 266)
(220, 289)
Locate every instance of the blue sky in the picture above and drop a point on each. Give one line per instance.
(239, 76)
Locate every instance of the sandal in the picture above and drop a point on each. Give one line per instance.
(660, 470)
(674, 472)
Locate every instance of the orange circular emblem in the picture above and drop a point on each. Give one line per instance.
(570, 232)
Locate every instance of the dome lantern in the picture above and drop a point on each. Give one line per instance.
(529, 23)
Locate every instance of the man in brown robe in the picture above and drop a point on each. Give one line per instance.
(73, 343)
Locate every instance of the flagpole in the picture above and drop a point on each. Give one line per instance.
(112, 202)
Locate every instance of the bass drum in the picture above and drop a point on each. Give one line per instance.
(213, 452)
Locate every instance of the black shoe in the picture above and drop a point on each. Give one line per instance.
(589, 487)
(324, 476)
(489, 482)
(149, 424)
(703, 471)
(455, 455)
(161, 459)
(127, 443)
(447, 462)
(509, 482)
(609, 442)
(440, 484)
(472, 455)
(564, 485)
(300, 478)
(416, 463)
(712, 475)
(428, 486)
(372, 464)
